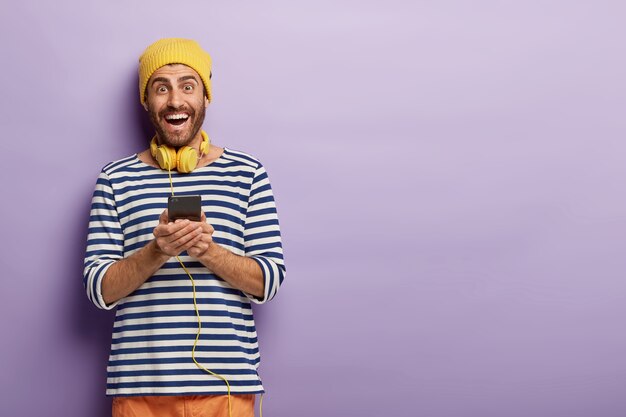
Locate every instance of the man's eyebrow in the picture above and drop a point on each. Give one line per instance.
(180, 80)
(187, 77)
(160, 79)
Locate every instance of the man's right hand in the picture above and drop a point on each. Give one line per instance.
(173, 238)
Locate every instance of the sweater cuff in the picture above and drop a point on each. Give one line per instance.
(272, 277)
(99, 299)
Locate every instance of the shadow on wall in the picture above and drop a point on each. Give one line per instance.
(89, 328)
(140, 120)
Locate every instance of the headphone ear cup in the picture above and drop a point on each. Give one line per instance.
(186, 159)
(166, 157)
(204, 145)
(153, 147)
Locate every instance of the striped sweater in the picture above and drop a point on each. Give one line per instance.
(155, 326)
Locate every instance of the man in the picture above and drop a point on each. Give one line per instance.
(137, 259)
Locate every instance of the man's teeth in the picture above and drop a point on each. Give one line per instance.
(176, 116)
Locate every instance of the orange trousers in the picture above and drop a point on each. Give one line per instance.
(184, 406)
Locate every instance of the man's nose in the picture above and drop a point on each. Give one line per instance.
(175, 99)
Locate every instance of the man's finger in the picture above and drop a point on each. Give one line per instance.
(184, 234)
(188, 241)
(174, 230)
(163, 218)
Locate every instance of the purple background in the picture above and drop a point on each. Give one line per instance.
(449, 177)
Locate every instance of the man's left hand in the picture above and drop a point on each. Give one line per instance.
(206, 240)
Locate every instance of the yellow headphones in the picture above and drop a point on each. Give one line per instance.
(184, 160)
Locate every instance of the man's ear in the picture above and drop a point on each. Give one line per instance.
(206, 102)
(144, 103)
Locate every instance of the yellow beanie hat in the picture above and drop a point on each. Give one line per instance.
(174, 51)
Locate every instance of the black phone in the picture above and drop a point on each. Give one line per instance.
(184, 207)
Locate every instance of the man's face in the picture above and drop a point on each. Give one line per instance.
(176, 102)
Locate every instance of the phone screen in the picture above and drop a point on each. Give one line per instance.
(184, 207)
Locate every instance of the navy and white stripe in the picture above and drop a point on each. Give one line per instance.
(155, 327)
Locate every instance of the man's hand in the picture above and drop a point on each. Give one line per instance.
(206, 239)
(172, 238)
(196, 238)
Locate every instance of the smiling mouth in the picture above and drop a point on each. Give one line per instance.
(177, 119)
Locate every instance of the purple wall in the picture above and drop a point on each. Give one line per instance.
(450, 179)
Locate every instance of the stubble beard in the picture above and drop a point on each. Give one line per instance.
(181, 139)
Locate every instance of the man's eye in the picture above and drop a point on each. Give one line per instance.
(162, 89)
(188, 87)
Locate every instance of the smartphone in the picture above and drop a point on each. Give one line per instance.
(184, 207)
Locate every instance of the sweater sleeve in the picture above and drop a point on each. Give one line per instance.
(262, 239)
(105, 241)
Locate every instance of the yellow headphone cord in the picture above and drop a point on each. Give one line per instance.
(195, 343)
